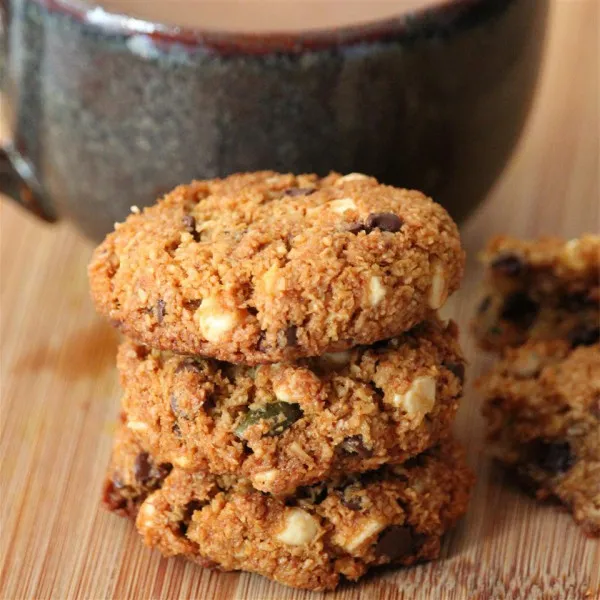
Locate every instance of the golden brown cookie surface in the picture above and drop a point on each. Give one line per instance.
(263, 267)
(291, 424)
(340, 527)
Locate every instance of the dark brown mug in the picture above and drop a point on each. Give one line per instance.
(106, 112)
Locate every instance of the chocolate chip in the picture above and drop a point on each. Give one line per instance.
(209, 403)
(142, 467)
(554, 457)
(355, 445)
(484, 305)
(398, 541)
(162, 471)
(147, 473)
(298, 191)
(113, 499)
(509, 265)
(457, 369)
(576, 301)
(352, 502)
(189, 224)
(291, 336)
(159, 310)
(384, 221)
(188, 365)
(192, 304)
(252, 310)
(355, 227)
(584, 335)
(520, 309)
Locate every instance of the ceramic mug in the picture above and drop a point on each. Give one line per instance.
(106, 112)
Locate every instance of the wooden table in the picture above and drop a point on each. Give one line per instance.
(60, 397)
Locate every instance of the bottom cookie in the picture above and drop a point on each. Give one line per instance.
(340, 528)
(543, 412)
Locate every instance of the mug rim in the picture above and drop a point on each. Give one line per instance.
(414, 23)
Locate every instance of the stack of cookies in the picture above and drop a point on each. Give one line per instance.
(288, 387)
(541, 314)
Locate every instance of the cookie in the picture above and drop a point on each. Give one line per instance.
(263, 267)
(541, 289)
(335, 529)
(286, 425)
(543, 416)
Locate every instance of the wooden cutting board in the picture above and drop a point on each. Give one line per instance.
(59, 397)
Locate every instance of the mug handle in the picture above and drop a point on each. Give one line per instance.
(15, 186)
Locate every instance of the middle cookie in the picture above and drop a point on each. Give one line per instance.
(287, 425)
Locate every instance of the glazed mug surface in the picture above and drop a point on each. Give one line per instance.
(106, 111)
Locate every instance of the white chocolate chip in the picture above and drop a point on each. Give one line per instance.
(137, 426)
(265, 478)
(376, 291)
(420, 397)
(142, 294)
(367, 531)
(134, 209)
(300, 528)
(527, 365)
(181, 461)
(282, 392)
(351, 177)
(272, 280)
(573, 256)
(438, 292)
(342, 205)
(216, 322)
(146, 514)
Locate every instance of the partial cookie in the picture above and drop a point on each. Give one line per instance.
(263, 267)
(543, 289)
(543, 412)
(291, 424)
(338, 528)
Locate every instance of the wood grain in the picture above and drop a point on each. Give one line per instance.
(59, 397)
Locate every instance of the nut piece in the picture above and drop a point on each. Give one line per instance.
(265, 478)
(376, 291)
(300, 528)
(367, 531)
(438, 292)
(342, 205)
(216, 322)
(272, 281)
(137, 426)
(419, 399)
(351, 177)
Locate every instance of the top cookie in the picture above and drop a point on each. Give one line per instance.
(265, 267)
